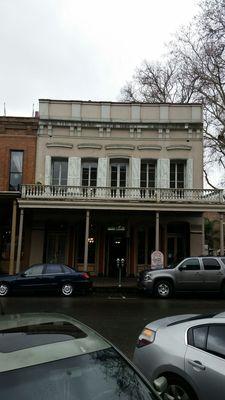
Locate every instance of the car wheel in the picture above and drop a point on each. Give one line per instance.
(67, 289)
(179, 389)
(4, 289)
(163, 289)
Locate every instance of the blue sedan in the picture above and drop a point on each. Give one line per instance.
(46, 277)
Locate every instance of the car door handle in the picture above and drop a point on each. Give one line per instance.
(197, 364)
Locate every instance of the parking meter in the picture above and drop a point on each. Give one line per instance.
(119, 266)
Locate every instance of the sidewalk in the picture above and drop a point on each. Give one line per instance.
(111, 285)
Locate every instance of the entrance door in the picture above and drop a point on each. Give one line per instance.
(116, 249)
(56, 248)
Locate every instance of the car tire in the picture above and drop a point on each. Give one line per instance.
(180, 389)
(163, 289)
(67, 289)
(4, 289)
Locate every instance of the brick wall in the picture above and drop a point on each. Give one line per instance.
(17, 133)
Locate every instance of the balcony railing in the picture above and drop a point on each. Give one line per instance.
(50, 192)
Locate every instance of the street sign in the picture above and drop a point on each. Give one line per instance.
(157, 260)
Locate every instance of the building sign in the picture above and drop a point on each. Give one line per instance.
(157, 260)
(116, 228)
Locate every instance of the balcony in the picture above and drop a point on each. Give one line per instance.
(121, 194)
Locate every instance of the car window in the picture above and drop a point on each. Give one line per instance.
(200, 336)
(216, 340)
(53, 269)
(191, 264)
(99, 375)
(66, 269)
(210, 264)
(35, 270)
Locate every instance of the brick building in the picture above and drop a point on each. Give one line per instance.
(18, 136)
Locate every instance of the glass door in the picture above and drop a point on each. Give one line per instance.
(59, 171)
(118, 179)
(89, 178)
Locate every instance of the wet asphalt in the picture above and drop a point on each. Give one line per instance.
(117, 317)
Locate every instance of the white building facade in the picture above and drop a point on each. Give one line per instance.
(117, 180)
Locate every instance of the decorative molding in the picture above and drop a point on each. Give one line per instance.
(160, 125)
(149, 147)
(63, 145)
(89, 146)
(179, 147)
(119, 146)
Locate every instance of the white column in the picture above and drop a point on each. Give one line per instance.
(203, 235)
(86, 240)
(47, 170)
(74, 171)
(221, 236)
(163, 173)
(19, 241)
(189, 174)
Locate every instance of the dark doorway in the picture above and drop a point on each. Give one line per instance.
(116, 248)
(178, 243)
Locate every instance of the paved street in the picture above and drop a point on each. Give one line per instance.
(118, 319)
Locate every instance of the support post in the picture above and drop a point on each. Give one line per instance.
(203, 235)
(157, 232)
(221, 236)
(19, 241)
(86, 240)
(13, 239)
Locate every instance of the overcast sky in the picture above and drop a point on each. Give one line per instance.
(79, 49)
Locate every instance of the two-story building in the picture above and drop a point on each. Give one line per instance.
(17, 166)
(117, 180)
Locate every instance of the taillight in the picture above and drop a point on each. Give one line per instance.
(84, 275)
(146, 337)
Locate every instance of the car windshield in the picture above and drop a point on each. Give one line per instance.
(101, 375)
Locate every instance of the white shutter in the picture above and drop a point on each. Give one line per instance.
(102, 172)
(163, 173)
(189, 174)
(74, 171)
(135, 172)
(47, 170)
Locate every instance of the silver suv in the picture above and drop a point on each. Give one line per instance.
(192, 274)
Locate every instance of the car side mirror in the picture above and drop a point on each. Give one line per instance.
(23, 275)
(181, 268)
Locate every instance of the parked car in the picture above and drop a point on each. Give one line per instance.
(191, 274)
(53, 356)
(46, 277)
(189, 350)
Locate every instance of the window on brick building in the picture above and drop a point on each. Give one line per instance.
(16, 169)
